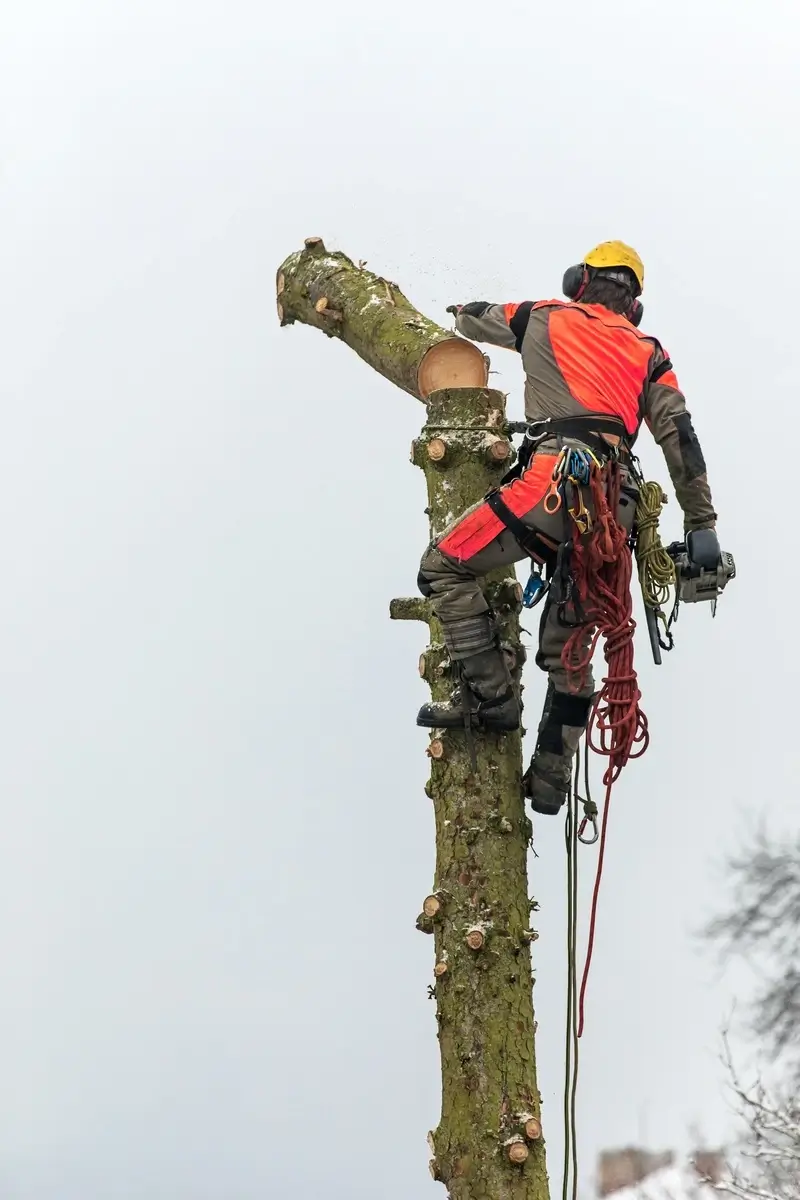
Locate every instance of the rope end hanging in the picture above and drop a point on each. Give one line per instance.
(601, 566)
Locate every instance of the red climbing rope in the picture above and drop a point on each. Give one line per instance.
(601, 567)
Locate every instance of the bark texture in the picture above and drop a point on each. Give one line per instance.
(328, 290)
(488, 1144)
(483, 1148)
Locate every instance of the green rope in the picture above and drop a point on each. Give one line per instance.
(571, 1077)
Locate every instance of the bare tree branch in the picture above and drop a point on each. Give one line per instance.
(767, 1166)
(763, 924)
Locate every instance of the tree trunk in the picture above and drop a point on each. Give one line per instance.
(488, 1145)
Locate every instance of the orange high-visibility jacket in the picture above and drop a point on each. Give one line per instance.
(581, 358)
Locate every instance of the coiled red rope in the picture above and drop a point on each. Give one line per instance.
(602, 568)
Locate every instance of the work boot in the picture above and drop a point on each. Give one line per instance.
(548, 778)
(485, 696)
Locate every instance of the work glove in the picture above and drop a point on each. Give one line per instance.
(703, 548)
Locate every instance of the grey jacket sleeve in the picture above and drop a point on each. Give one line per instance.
(482, 322)
(670, 423)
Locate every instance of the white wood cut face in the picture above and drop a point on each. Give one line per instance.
(454, 363)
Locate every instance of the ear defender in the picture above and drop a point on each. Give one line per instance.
(575, 280)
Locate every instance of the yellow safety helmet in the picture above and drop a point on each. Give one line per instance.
(608, 255)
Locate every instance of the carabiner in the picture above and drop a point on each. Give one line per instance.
(580, 514)
(579, 469)
(595, 832)
(552, 501)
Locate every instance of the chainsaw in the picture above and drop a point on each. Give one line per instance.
(702, 572)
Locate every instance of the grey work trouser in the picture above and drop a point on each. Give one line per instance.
(455, 591)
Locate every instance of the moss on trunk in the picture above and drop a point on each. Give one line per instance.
(328, 290)
(482, 931)
(487, 1145)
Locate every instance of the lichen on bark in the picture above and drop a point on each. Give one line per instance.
(484, 1007)
(328, 290)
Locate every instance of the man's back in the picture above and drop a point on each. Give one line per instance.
(583, 357)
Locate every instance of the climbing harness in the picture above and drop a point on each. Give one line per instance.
(573, 467)
(586, 428)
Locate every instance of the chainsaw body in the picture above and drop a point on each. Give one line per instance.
(703, 569)
(702, 572)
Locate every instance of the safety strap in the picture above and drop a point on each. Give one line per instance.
(580, 426)
(532, 542)
(562, 589)
(540, 548)
(524, 456)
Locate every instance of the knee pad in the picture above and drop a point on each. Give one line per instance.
(469, 636)
(570, 710)
(562, 708)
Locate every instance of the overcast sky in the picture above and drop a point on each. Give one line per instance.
(214, 835)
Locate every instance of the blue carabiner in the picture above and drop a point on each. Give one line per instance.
(579, 466)
(534, 590)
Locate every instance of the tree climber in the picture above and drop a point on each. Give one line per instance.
(591, 378)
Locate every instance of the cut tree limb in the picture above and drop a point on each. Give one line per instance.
(410, 608)
(533, 1129)
(328, 290)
